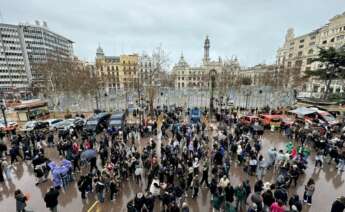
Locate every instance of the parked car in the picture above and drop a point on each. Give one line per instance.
(36, 125)
(249, 120)
(52, 122)
(11, 125)
(268, 120)
(79, 123)
(64, 125)
(97, 122)
(117, 121)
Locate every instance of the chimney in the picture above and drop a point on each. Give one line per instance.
(45, 24)
(37, 22)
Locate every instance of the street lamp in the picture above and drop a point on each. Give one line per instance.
(212, 75)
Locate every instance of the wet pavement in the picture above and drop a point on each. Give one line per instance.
(329, 186)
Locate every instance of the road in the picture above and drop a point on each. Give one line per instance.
(329, 185)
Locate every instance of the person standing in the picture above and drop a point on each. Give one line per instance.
(338, 205)
(113, 188)
(82, 186)
(319, 159)
(204, 178)
(2, 179)
(195, 185)
(51, 199)
(240, 194)
(100, 190)
(20, 200)
(277, 206)
(6, 168)
(309, 191)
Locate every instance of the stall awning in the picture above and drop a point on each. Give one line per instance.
(302, 111)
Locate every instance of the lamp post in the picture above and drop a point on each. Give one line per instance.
(212, 74)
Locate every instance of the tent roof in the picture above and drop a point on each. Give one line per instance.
(303, 111)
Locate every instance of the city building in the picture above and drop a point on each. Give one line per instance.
(186, 76)
(260, 74)
(299, 51)
(24, 46)
(117, 72)
(148, 70)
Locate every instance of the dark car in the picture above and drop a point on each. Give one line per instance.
(117, 121)
(195, 115)
(97, 122)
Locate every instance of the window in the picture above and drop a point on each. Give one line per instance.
(332, 40)
(289, 64)
(340, 37)
(311, 51)
(324, 42)
(312, 37)
(312, 43)
(301, 41)
(299, 63)
(300, 54)
(290, 55)
(301, 46)
(307, 68)
(316, 88)
(309, 61)
(292, 43)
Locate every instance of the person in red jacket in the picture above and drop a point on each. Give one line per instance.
(277, 207)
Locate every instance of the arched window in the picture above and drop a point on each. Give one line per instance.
(311, 51)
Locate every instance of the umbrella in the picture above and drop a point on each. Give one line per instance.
(66, 163)
(58, 170)
(88, 154)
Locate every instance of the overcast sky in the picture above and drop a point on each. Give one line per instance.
(250, 29)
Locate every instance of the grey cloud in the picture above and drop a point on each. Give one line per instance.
(250, 29)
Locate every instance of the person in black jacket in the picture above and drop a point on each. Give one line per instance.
(139, 201)
(51, 199)
(295, 201)
(229, 193)
(338, 205)
(82, 186)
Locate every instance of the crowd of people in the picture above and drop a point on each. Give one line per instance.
(173, 159)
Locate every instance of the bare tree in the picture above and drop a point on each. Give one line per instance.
(58, 78)
(160, 60)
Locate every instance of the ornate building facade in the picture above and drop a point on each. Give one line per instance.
(117, 72)
(299, 51)
(186, 76)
